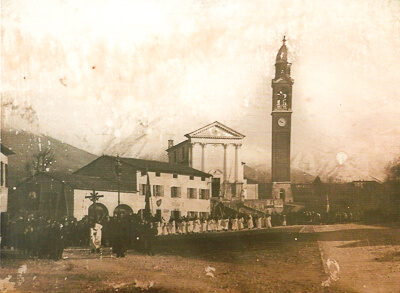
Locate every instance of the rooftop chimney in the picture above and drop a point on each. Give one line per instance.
(170, 143)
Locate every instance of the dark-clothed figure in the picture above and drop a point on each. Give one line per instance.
(148, 234)
(119, 236)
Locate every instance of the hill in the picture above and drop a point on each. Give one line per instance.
(263, 175)
(67, 158)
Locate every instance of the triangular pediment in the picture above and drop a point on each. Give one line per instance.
(215, 130)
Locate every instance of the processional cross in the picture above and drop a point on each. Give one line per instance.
(94, 196)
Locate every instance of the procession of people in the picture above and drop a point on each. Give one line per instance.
(40, 237)
(189, 225)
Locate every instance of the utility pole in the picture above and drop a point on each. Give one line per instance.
(118, 171)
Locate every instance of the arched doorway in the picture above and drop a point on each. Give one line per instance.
(282, 194)
(123, 210)
(97, 212)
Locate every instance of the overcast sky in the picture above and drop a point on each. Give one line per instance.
(141, 72)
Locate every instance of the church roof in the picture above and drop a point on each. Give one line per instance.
(215, 130)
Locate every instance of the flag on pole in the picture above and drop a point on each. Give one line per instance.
(147, 209)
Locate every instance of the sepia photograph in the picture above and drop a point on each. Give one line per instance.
(200, 146)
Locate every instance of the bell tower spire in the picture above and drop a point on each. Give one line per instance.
(281, 126)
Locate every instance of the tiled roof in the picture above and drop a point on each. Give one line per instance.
(162, 167)
(177, 145)
(97, 183)
(5, 150)
(83, 182)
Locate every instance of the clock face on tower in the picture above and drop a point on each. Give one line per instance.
(281, 122)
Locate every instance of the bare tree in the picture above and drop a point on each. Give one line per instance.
(393, 170)
(41, 162)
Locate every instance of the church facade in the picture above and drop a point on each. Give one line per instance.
(215, 149)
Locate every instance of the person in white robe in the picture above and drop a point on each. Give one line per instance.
(190, 226)
(284, 220)
(213, 225)
(269, 225)
(234, 224)
(186, 226)
(164, 228)
(203, 225)
(225, 224)
(259, 222)
(95, 237)
(159, 228)
(196, 225)
(250, 224)
(241, 223)
(172, 229)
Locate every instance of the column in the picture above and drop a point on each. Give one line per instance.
(225, 154)
(203, 145)
(236, 163)
(190, 154)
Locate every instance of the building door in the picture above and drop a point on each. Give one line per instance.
(282, 194)
(123, 211)
(158, 215)
(97, 212)
(176, 215)
(215, 187)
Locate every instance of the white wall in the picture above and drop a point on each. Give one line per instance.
(137, 201)
(4, 189)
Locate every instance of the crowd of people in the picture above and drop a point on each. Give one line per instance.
(46, 238)
(42, 237)
(187, 225)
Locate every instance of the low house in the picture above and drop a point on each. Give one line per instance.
(5, 152)
(176, 190)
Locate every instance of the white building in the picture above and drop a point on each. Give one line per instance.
(215, 149)
(176, 190)
(5, 152)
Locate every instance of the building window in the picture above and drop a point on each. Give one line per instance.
(204, 215)
(191, 177)
(158, 215)
(192, 214)
(204, 194)
(192, 193)
(158, 190)
(175, 191)
(6, 175)
(175, 175)
(158, 174)
(233, 190)
(142, 189)
(2, 173)
(203, 178)
(175, 215)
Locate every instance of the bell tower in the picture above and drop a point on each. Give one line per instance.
(281, 126)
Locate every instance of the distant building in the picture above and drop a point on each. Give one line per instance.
(214, 149)
(5, 152)
(96, 188)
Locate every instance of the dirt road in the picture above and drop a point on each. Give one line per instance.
(275, 260)
(368, 257)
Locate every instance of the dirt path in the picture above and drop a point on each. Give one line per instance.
(278, 260)
(368, 257)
